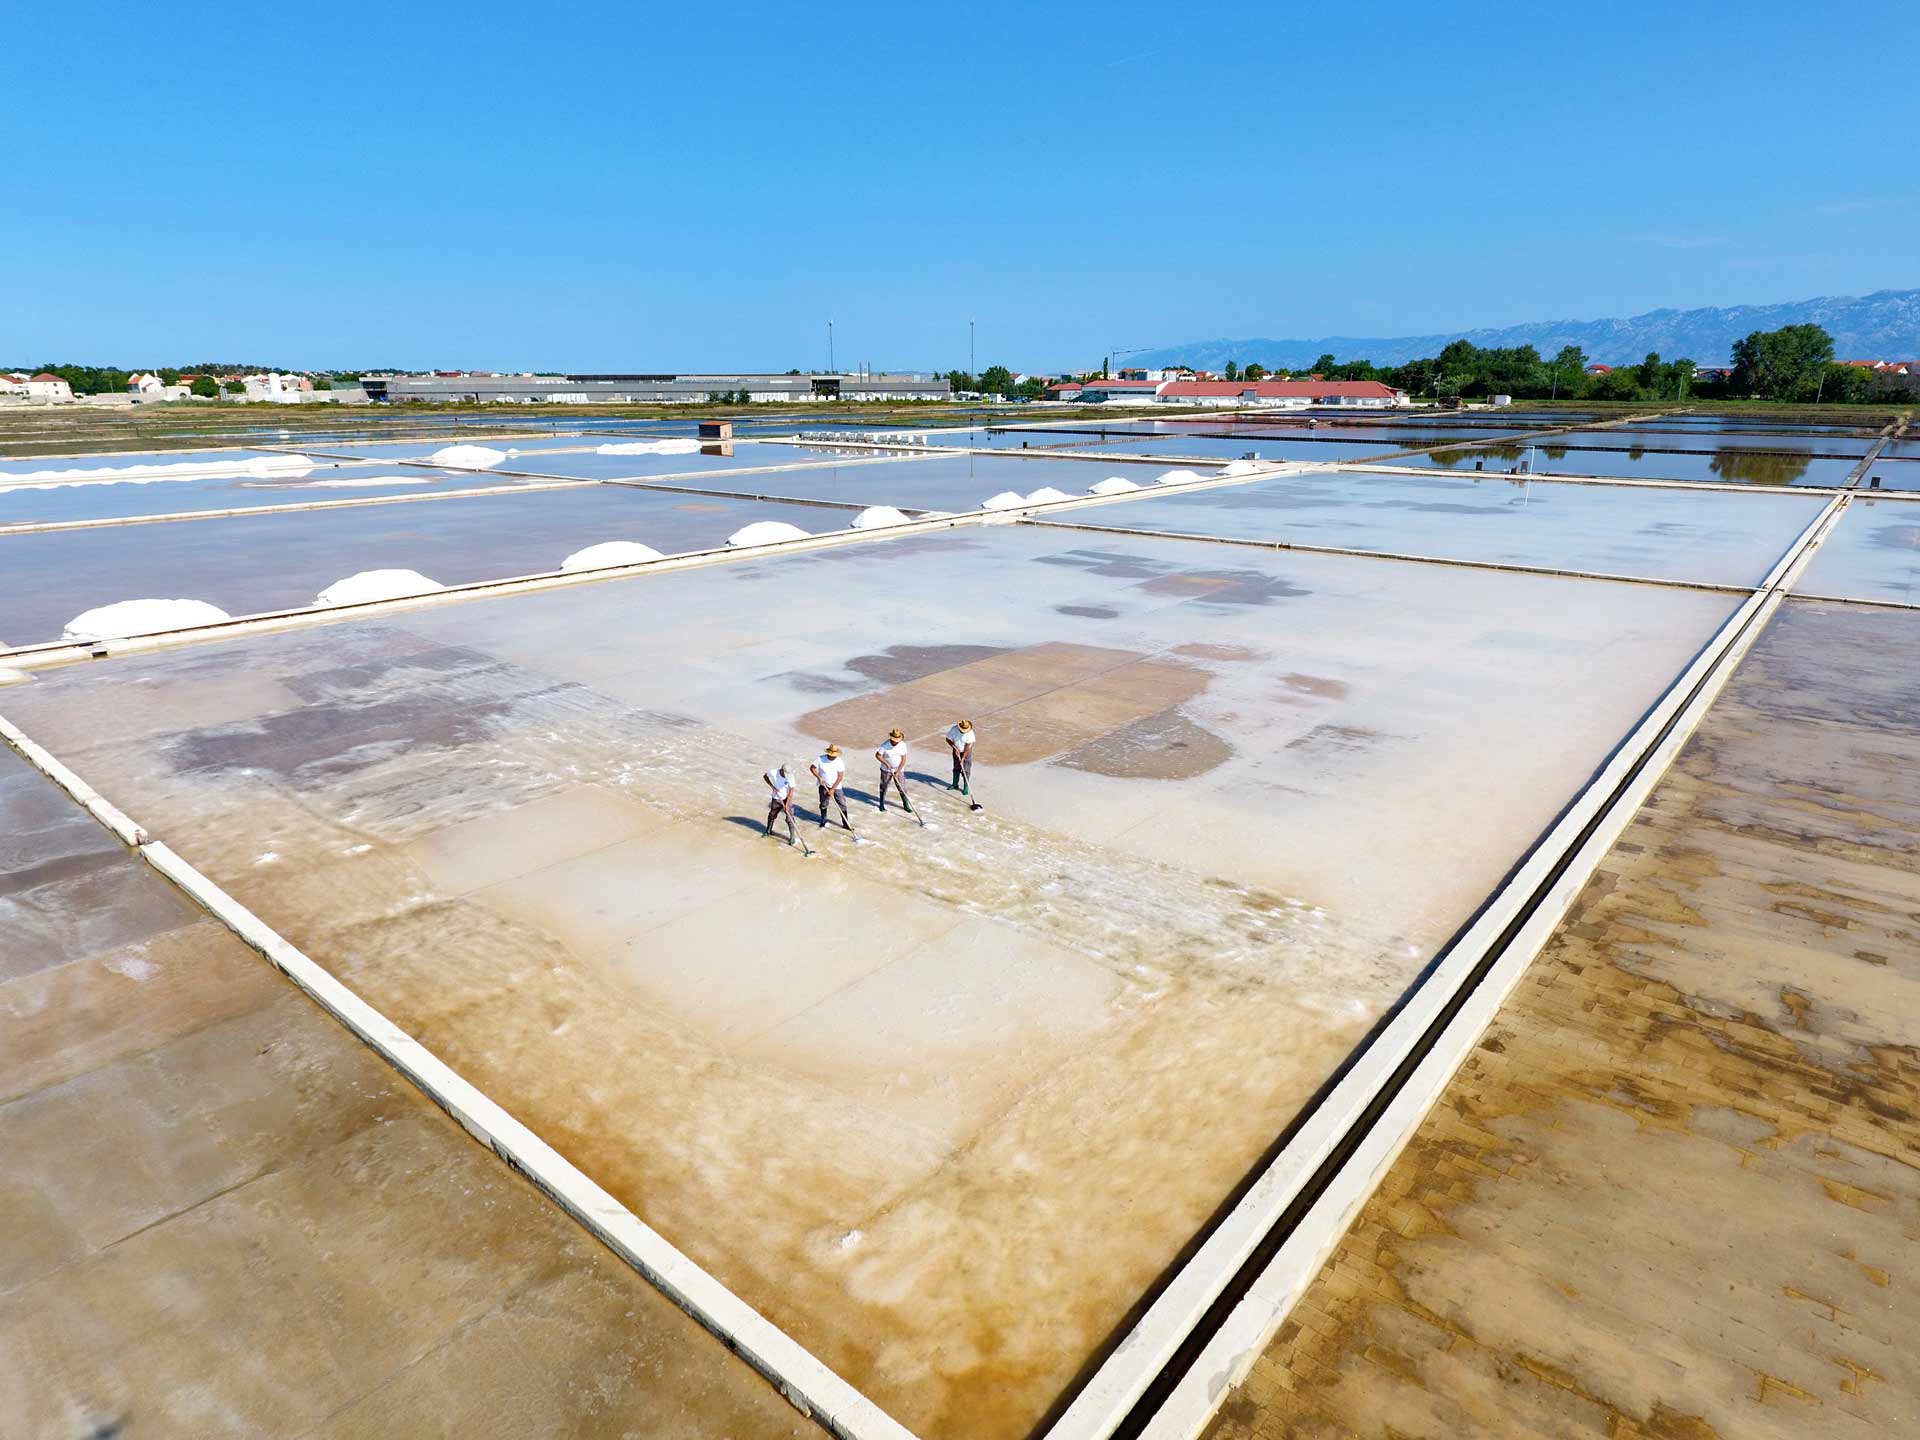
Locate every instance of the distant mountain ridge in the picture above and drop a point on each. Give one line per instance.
(1883, 325)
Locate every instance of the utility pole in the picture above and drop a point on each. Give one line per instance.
(971, 372)
(829, 347)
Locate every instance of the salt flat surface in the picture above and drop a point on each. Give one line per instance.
(1704, 536)
(943, 1104)
(942, 482)
(713, 459)
(1873, 554)
(1326, 452)
(247, 564)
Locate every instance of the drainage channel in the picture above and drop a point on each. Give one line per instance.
(1194, 1341)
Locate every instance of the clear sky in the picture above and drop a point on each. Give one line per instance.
(688, 186)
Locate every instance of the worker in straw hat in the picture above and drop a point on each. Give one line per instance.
(830, 771)
(960, 742)
(781, 784)
(892, 756)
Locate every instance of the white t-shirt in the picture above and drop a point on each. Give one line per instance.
(782, 784)
(893, 754)
(831, 771)
(962, 739)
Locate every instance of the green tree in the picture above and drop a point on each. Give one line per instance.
(1325, 365)
(1233, 369)
(1256, 371)
(1682, 372)
(1784, 364)
(959, 380)
(234, 387)
(996, 380)
(1566, 371)
(1031, 388)
(206, 387)
(1847, 385)
(1649, 371)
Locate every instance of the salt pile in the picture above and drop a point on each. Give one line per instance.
(610, 552)
(765, 532)
(467, 457)
(376, 585)
(1045, 494)
(650, 447)
(878, 517)
(1239, 467)
(1113, 485)
(1177, 477)
(259, 467)
(141, 617)
(1005, 500)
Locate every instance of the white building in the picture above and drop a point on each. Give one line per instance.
(277, 389)
(13, 385)
(48, 387)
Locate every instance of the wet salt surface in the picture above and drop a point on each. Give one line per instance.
(247, 564)
(527, 829)
(714, 458)
(1327, 452)
(1872, 554)
(1706, 536)
(943, 482)
(32, 504)
(1733, 464)
(1791, 443)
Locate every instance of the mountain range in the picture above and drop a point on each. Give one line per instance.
(1883, 325)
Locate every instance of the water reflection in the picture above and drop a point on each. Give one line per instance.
(1735, 464)
(1760, 467)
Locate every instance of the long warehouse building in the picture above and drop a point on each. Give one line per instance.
(652, 389)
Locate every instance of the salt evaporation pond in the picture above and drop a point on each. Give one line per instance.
(1734, 465)
(527, 829)
(1872, 554)
(952, 483)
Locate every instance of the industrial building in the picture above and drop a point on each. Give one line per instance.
(443, 388)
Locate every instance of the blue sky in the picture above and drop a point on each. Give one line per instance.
(705, 186)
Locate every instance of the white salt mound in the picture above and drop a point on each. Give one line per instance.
(609, 552)
(364, 481)
(1177, 477)
(1238, 467)
(141, 617)
(1005, 500)
(467, 457)
(259, 467)
(650, 447)
(1113, 485)
(765, 532)
(1046, 493)
(878, 517)
(376, 585)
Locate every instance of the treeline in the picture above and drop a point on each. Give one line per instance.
(105, 380)
(997, 380)
(1794, 363)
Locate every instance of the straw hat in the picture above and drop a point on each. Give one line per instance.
(966, 724)
(896, 734)
(833, 752)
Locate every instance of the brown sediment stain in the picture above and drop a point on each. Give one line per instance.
(1690, 1133)
(1028, 704)
(1321, 687)
(1089, 612)
(1225, 587)
(1166, 746)
(898, 664)
(1337, 740)
(1230, 653)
